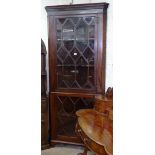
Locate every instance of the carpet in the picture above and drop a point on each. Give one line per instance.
(64, 150)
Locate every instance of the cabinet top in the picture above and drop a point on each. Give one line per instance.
(86, 6)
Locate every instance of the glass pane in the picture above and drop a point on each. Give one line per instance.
(91, 44)
(65, 76)
(82, 75)
(58, 44)
(81, 62)
(75, 52)
(69, 75)
(59, 27)
(75, 20)
(88, 54)
(62, 54)
(59, 61)
(68, 44)
(67, 107)
(91, 32)
(68, 34)
(81, 44)
(91, 76)
(75, 83)
(62, 20)
(82, 31)
(68, 61)
(58, 34)
(88, 20)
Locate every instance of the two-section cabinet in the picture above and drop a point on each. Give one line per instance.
(77, 51)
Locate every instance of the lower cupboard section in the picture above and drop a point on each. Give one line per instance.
(63, 118)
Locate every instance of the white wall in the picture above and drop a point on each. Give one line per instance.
(109, 50)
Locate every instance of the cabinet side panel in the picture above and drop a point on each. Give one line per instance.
(104, 51)
(101, 53)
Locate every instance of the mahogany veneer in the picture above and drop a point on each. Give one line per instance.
(77, 51)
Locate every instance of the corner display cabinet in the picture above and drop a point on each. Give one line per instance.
(77, 46)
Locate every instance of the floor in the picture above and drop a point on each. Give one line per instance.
(64, 150)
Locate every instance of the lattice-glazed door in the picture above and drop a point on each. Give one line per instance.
(66, 108)
(76, 52)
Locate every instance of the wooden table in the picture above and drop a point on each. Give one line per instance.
(95, 127)
(95, 131)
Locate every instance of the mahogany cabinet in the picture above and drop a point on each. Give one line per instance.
(77, 51)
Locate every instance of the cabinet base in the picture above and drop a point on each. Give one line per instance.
(45, 146)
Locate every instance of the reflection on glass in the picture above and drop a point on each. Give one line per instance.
(88, 54)
(68, 35)
(68, 31)
(88, 19)
(81, 44)
(91, 44)
(62, 53)
(92, 31)
(82, 31)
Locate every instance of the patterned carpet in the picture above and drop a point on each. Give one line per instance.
(64, 150)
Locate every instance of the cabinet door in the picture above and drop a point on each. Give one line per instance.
(63, 118)
(76, 51)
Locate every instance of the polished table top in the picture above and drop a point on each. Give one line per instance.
(97, 127)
